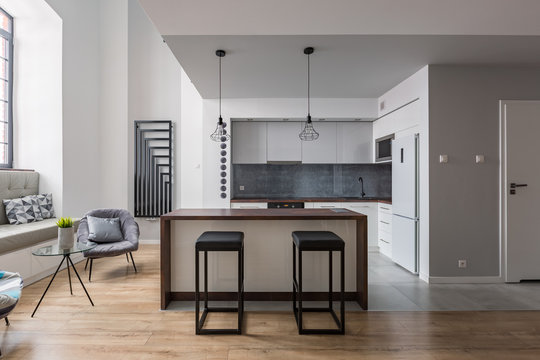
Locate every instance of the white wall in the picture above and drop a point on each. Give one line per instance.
(80, 105)
(37, 93)
(191, 146)
(113, 100)
(411, 119)
(154, 93)
(464, 121)
(275, 108)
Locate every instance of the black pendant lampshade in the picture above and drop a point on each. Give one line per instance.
(221, 135)
(309, 133)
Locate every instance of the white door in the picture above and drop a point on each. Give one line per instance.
(248, 142)
(323, 150)
(354, 142)
(404, 176)
(283, 143)
(404, 244)
(521, 188)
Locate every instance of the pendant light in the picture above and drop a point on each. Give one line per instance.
(221, 135)
(309, 133)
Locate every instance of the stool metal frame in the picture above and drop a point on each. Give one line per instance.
(297, 290)
(199, 323)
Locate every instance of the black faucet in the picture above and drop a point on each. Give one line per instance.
(362, 182)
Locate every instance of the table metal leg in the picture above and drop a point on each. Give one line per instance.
(48, 286)
(69, 277)
(76, 273)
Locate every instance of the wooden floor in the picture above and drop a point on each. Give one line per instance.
(126, 324)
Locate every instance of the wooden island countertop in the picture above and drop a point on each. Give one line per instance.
(187, 216)
(261, 214)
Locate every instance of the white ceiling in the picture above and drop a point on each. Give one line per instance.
(316, 17)
(343, 66)
(362, 47)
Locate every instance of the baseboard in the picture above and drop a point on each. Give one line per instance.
(373, 248)
(423, 277)
(149, 242)
(465, 279)
(261, 296)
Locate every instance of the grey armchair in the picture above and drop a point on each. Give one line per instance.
(130, 232)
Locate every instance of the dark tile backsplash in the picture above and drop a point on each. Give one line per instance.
(311, 180)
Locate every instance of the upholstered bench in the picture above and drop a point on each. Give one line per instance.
(18, 241)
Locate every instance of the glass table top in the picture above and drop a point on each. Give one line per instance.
(54, 250)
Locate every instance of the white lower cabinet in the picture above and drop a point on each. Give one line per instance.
(367, 208)
(371, 210)
(249, 205)
(33, 268)
(385, 229)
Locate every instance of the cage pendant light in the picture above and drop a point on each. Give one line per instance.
(309, 133)
(220, 134)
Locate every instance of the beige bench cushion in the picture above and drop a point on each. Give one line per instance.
(15, 184)
(15, 237)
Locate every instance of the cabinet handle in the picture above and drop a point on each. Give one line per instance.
(382, 207)
(384, 241)
(384, 222)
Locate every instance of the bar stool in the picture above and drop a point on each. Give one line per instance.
(318, 241)
(218, 241)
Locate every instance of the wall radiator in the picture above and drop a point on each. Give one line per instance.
(153, 168)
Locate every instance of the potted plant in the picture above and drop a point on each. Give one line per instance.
(66, 238)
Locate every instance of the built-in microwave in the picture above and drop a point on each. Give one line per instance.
(383, 148)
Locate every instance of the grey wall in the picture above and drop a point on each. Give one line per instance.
(464, 196)
(311, 180)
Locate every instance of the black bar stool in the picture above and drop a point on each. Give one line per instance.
(318, 241)
(219, 241)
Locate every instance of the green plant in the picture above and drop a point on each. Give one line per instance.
(65, 222)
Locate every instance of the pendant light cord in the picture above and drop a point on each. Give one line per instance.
(220, 119)
(308, 83)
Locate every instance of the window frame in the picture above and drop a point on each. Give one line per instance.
(9, 37)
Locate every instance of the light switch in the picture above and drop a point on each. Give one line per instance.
(443, 159)
(479, 159)
(241, 187)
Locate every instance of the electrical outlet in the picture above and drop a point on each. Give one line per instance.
(462, 264)
(241, 187)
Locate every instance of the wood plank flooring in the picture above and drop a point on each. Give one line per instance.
(126, 324)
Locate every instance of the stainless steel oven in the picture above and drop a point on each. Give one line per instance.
(286, 205)
(383, 148)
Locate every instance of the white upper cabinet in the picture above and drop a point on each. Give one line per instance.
(323, 150)
(354, 142)
(283, 141)
(248, 142)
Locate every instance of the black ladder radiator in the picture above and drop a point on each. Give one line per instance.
(153, 168)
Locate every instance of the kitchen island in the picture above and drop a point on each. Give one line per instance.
(268, 253)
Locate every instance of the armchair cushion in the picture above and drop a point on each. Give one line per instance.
(104, 230)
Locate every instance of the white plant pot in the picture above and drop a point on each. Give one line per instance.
(66, 238)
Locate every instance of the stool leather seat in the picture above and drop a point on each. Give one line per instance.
(317, 240)
(220, 241)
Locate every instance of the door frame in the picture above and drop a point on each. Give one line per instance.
(503, 185)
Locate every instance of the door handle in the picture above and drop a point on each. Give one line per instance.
(514, 185)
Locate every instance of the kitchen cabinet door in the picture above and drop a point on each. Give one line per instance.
(248, 142)
(371, 210)
(354, 142)
(323, 150)
(283, 143)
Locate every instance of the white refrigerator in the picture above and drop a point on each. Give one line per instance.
(405, 202)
